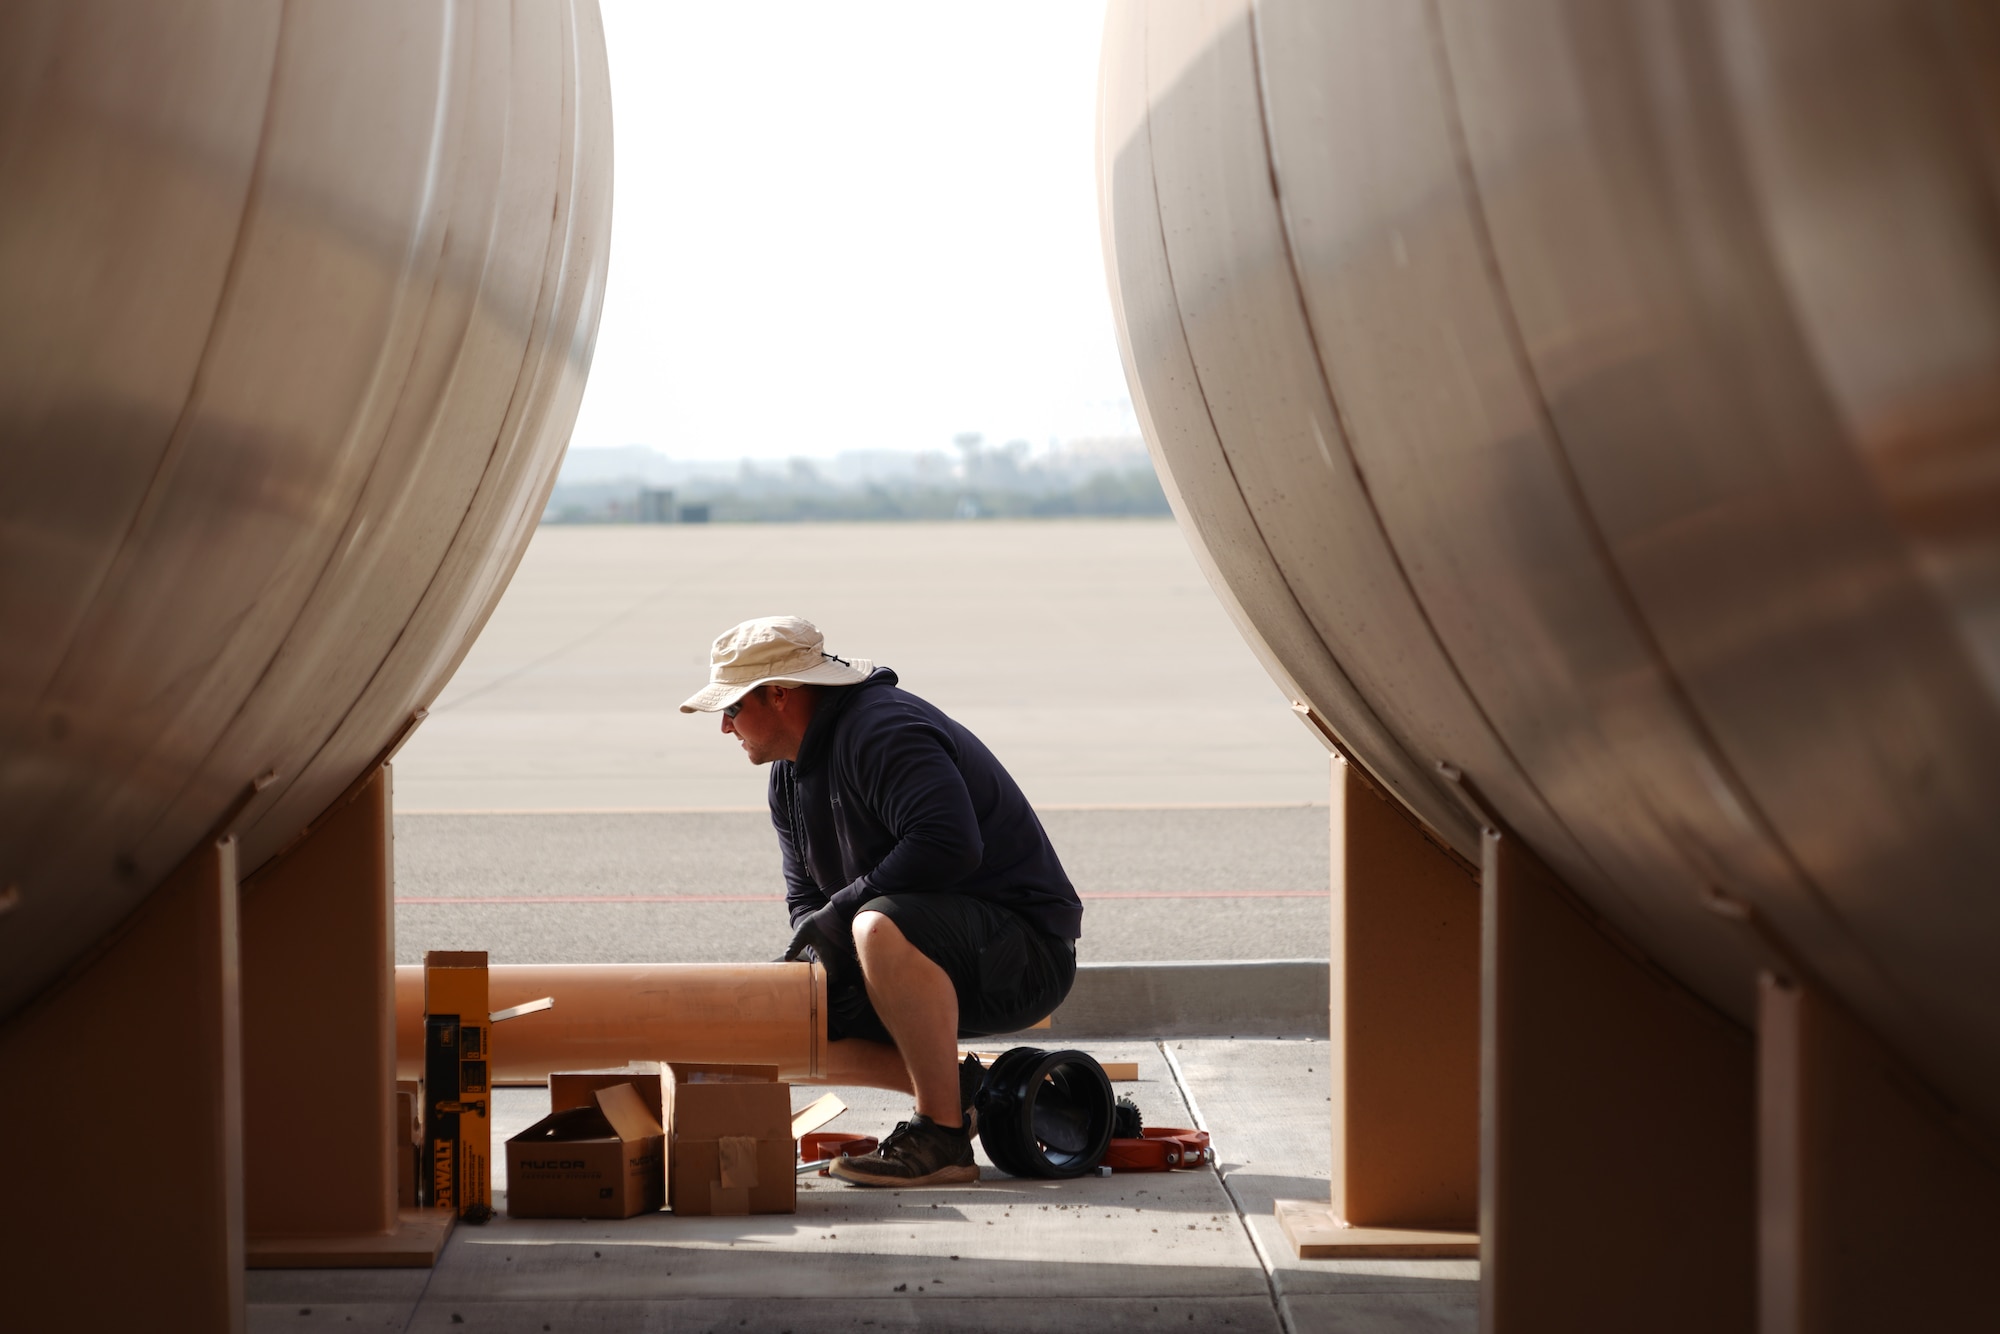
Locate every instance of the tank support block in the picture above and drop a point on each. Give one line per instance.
(1874, 1210)
(1404, 1028)
(121, 1089)
(1617, 1140)
(319, 1015)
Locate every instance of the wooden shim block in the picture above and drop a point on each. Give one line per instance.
(1118, 1072)
(525, 1007)
(420, 1234)
(817, 1113)
(1316, 1234)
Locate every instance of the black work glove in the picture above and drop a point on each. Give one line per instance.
(830, 936)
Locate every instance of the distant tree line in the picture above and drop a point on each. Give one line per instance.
(985, 483)
(1105, 494)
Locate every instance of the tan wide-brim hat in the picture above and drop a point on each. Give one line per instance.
(787, 650)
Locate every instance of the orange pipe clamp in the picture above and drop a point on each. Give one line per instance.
(607, 1015)
(1158, 1149)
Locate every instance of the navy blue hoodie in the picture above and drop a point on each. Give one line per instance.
(890, 796)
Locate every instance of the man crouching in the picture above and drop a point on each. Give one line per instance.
(916, 872)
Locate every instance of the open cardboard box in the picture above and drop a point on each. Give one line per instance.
(600, 1159)
(578, 1088)
(730, 1148)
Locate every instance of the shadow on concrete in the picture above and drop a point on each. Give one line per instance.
(660, 1285)
(1256, 1186)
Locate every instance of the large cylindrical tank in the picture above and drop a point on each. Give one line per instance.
(299, 299)
(1603, 399)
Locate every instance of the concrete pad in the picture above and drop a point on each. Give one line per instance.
(1124, 1252)
(1386, 1312)
(1267, 1107)
(284, 1318)
(322, 1287)
(1134, 1251)
(828, 1315)
(1084, 1238)
(323, 1299)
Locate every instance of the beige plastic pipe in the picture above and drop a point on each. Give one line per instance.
(606, 1015)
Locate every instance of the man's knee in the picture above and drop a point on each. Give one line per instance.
(876, 933)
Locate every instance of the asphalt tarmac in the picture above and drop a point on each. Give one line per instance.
(1091, 656)
(1214, 883)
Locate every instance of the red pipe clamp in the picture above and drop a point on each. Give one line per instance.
(823, 1146)
(1159, 1149)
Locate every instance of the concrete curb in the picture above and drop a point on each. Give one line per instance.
(1261, 998)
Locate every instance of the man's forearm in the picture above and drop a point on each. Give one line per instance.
(913, 866)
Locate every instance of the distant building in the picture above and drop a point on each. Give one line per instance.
(694, 514)
(656, 505)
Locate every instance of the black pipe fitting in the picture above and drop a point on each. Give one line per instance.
(1044, 1113)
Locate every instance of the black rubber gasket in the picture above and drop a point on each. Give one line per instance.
(1045, 1113)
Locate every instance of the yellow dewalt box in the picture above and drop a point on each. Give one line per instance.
(458, 1100)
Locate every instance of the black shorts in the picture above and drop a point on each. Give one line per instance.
(1007, 973)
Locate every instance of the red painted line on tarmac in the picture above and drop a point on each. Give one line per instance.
(539, 899)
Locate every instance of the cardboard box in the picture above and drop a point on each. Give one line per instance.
(578, 1088)
(458, 1130)
(601, 1159)
(729, 1140)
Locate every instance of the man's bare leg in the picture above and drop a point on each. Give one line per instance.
(858, 1062)
(919, 1007)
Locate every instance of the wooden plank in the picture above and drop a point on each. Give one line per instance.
(1118, 1072)
(414, 1244)
(817, 1113)
(1316, 1234)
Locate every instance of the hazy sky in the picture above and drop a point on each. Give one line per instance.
(853, 226)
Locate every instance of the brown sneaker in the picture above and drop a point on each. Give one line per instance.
(918, 1152)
